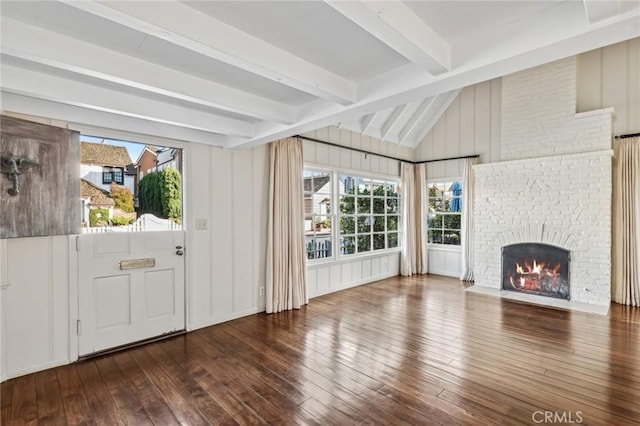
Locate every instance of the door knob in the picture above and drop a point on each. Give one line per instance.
(179, 252)
(178, 247)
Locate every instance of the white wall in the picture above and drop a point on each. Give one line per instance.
(606, 77)
(471, 125)
(610, 77)
(333, 276)
(225, 263)
(35, 309)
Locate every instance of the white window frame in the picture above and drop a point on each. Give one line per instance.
(332, 215)
(336, 252)
(439, 246)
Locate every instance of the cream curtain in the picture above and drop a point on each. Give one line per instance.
(413, 182)
(625, 287)
(286, 287)
(467, 240)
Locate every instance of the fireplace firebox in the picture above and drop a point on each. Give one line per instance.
(536, 268)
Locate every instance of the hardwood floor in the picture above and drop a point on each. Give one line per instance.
(399, 351)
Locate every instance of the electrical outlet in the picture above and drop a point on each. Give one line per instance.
(261, 291)
(201, 224)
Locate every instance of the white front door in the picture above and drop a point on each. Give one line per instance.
(123, 301)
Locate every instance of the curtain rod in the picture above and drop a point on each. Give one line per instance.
(446, 159)
(381, 155)
(630, 135)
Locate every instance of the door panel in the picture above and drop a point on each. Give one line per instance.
(117, 306)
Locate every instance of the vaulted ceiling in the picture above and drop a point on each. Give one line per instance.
(240, 73)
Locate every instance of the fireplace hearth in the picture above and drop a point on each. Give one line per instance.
(535, 268)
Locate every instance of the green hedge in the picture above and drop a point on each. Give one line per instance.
(120, 220)
(160, 193)
(98, 217)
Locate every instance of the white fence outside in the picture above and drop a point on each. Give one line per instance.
(146, 222)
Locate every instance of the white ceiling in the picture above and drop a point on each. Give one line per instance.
(241, 73)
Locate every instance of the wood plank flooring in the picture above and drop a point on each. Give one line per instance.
(396, 352)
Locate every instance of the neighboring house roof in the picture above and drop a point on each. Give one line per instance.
(103, 154)
(166, 155)
(97, 195)
(318, 183)
(148, 148)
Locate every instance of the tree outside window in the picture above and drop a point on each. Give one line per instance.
(369, 214)
(444, 213)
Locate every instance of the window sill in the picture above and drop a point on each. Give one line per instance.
(349, 258)
(444, 247)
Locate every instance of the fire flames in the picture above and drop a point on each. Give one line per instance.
(535, 276)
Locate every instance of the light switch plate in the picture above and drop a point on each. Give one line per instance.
(201, 224)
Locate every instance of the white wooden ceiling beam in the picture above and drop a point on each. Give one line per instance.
(579, 40)
(392, 120)
(393, 134)
(598, 10)
(396, 25)
(65, 53)
(366, 121)
(93, 122)
(414, 122)
(53, 88)
(438, 109)
(190, 29)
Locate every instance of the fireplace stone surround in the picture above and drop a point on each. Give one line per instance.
(553, 186)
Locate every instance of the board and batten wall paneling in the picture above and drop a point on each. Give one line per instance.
(606, 77)
(260, 205)
(200, 176)
(225, 264)
(328, 277)
(35, 304)
(610, 77)
(230, 190)
(243, 232)
(471, 125)
(4, 284)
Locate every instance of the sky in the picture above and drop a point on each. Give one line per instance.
(134, 149)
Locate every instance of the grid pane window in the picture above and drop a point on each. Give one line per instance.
(112, 175)
(444, 213)
(118, 176)
(318, 196)
(368, 214)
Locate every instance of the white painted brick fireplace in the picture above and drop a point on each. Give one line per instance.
(553, 185)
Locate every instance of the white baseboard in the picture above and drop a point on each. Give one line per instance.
(357, 283)
(33, 369)
(217, 319)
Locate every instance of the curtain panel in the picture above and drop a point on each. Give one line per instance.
(413, 183)
(286, 286)
(467, 229)
(625, 288)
